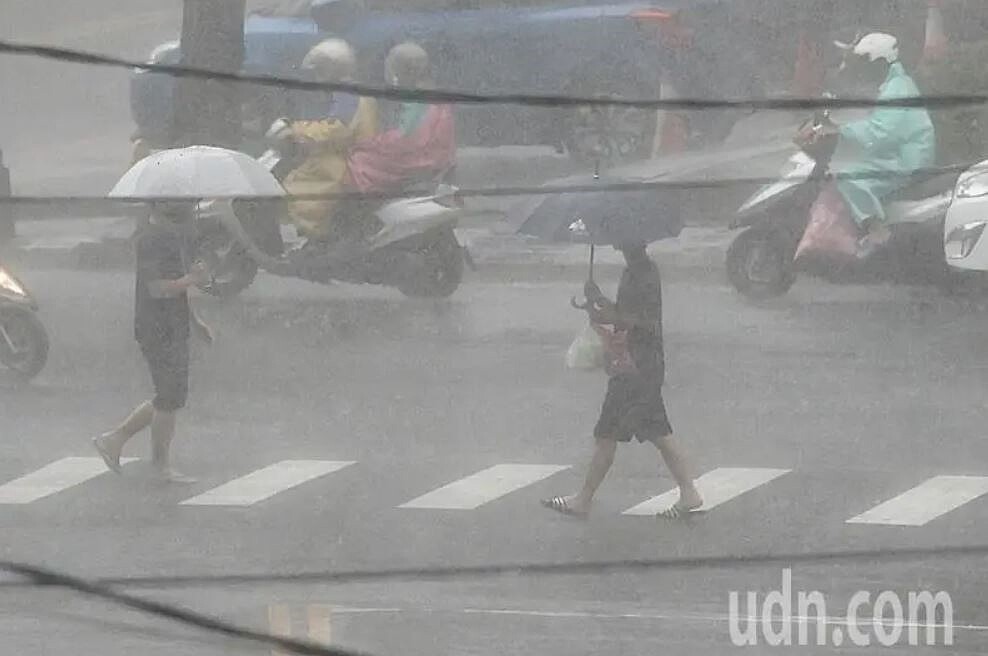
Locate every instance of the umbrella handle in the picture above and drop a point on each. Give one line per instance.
(593, 253)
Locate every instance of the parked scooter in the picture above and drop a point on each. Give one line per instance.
(23, 338)
(760, 262)
(408, 243)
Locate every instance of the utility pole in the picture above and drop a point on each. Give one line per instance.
(208, 112)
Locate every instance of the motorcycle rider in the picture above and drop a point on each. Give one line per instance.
(423, 142)
(891, 144)
(325, 127)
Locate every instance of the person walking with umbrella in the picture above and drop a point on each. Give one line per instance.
(633, 406)
(162, 322)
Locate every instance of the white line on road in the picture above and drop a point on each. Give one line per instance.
(652, 616)
(483, 487)
(717, 486)
(267, 482)
(925, 502)
(52, 478)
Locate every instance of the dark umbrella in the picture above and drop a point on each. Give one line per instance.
(604, 217)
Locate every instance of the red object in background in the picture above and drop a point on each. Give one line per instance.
(937, 41)
(810, 71)
(7, 231)
(669, 27)
(390, 158)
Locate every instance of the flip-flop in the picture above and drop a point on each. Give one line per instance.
(113, 464)
(678, 511)
(561, 506)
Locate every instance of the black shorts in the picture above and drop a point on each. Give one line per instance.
(169, 366)
(633, 407)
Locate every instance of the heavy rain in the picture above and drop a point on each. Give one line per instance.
(487, 327)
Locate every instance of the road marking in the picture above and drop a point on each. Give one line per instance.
(320, 624)
(280, 624)
(267, 482)
(483, 487)
(925, 502)
(52, 478)
(318, 616)
(717, 487)
(653, 616)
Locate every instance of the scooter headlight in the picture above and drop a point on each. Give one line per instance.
(9, 283)
(974, 185)
(962, 239)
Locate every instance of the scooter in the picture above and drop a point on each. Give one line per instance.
(408, 243)
(23, 338)
(760, 261)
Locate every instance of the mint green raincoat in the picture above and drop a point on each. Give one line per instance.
(891, 140)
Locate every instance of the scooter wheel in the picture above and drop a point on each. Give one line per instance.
(759, 264)
(441, 271)
(23, 342)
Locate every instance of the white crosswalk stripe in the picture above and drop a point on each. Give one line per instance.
(925, 502)
(265, 483)
(717, 487)
(68, 478)
(53, 478)
(483, 487)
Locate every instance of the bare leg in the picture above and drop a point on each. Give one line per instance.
(111, 444)
(162, 433)
(600, 464)
(675, 459)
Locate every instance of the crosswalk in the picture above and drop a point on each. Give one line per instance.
(927, 500)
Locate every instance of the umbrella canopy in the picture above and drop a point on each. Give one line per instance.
(605, 217)
(195, 173)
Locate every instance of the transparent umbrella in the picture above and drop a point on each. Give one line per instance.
(195, 173)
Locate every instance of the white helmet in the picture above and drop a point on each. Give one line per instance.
(407, 64)
(874, 46)
(332, 60)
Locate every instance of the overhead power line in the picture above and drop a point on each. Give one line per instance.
(901, 554)
(452, 96)
(498, 192)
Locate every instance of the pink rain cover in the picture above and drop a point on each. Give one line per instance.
(831, 231)
(389, 158)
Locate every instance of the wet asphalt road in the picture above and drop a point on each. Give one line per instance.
(854, 394)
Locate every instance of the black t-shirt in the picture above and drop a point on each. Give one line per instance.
(160, 321)
(640, 296)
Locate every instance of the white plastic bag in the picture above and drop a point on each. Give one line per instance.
(586, 353)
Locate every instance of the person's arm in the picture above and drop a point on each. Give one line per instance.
(605, 312)
(884, 127)
(201, 329)
(172, 288)
(328, 134)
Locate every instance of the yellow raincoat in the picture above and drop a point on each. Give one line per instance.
(327, 142)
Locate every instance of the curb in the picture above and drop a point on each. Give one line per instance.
(498, 258)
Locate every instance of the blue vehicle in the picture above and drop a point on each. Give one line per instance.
(584, 47)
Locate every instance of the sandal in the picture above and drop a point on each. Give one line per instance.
(112, 460)
(561, 506)
(677, 511)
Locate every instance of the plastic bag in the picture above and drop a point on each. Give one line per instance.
(831, 230)
(586, 353)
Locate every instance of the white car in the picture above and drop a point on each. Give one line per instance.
(965, 245)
